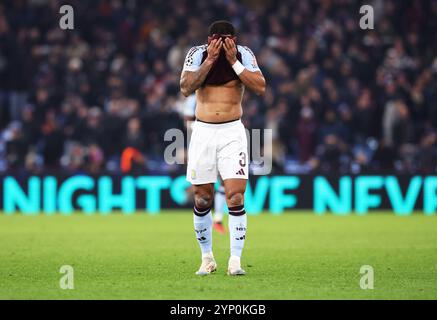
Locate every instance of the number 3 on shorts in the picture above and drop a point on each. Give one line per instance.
(243, 159)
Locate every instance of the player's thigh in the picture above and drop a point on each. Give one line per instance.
(202, 166)
(234, 190)
(203, 195)
(233, 157)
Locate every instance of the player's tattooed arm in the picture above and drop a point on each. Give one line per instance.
(191, 81)
(253, 80)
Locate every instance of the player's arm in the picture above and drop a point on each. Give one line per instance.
(248, 71)
(194, 73)
(192, 80)
(254, 81)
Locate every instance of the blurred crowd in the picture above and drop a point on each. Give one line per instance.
(99, 98)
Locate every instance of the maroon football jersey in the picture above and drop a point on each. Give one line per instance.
(221, 72)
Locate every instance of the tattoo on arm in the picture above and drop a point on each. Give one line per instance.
(191, 81)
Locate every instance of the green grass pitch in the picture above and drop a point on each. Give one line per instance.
(291, 256)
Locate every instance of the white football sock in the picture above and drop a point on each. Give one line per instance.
(203, 229)
(237, 229)
(219, 204)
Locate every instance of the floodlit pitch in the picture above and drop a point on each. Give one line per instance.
(290, 256)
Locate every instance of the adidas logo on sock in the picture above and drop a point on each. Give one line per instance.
(201, 239)
(240, 172)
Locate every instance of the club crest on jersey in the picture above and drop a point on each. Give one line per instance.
(193, 174)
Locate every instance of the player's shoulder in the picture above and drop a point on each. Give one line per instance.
(194, 58)
(197, 49)
(248, 58)
(245, 49)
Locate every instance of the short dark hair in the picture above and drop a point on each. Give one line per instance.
(221, 27)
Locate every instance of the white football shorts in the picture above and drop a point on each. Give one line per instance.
(217, 148)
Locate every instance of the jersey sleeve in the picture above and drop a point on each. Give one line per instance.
(193, 60)
(248, 59)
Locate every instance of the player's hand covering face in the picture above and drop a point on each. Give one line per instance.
(214, 49)
(230, 50)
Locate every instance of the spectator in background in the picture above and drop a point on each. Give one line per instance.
(94, 159)
(372, 94)
(306, 132)
(134, 137)
(427, 154)
(363, 117)
(51, 141)
(329, 154)
(16, 146)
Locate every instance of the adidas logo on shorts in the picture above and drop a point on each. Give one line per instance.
(240, 172)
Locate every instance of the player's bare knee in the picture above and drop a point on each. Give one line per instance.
(203, 200)
(235, 198)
